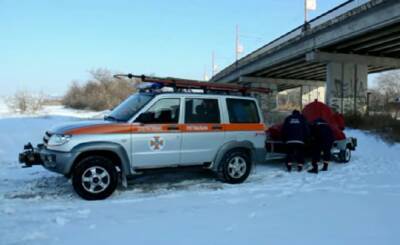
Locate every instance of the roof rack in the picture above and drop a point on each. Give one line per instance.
(179, 84)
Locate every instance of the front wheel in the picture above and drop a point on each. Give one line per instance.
(95, 178)
(235, 167)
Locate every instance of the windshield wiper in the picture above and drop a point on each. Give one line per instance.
(112, 118)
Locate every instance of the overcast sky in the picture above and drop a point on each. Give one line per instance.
(45, 44)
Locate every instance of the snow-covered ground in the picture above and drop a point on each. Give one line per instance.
(355, 203)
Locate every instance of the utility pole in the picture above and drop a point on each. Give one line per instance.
(308, 5)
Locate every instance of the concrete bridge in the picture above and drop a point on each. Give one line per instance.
(339, 49)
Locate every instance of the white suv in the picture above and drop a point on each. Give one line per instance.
(152, 130)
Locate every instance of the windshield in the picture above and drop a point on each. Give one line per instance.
(129, 107)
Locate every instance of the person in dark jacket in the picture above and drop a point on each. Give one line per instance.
(322, 143)
(295, 132)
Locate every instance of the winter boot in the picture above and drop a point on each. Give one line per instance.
(314, 169)
(289, 168)
(325, 167)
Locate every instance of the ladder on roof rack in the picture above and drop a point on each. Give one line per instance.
(179, 84)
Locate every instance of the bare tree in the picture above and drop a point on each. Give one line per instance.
(389, 84)
(101, 92)
(289, 100)
(24, 101)
(376, 100)
(388, 88)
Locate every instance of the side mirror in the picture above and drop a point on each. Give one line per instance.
(145, 117)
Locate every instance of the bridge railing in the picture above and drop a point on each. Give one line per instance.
(329, 15)
(321, 19)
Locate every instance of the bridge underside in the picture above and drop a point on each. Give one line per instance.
(339, 52)
(384, 43)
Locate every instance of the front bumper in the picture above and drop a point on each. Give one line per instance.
(55, 161)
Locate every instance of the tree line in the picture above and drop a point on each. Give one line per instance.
(101, 92)
(385, 96)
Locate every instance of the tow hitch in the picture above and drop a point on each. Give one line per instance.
(30, 156)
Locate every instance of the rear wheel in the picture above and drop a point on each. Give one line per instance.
(345, 155)
(235, 167)
(95, 178)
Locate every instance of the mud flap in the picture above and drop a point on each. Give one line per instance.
(124, 181)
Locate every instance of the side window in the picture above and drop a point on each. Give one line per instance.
(242, 111)
(163, 111)
(202, 111)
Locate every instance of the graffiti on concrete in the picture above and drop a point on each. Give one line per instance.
(349, 95)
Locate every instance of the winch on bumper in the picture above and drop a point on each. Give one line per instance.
(55, 161)
(30, 156)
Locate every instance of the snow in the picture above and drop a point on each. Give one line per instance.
(354, 203)
(53, 110)
(3, 107)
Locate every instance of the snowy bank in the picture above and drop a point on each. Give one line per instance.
(51, 110)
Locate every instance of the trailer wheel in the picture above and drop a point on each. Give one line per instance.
(345, 155)
(95, 178)
(235, 167)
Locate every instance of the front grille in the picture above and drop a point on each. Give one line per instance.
(46, 137)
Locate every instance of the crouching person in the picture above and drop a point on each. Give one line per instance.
(322, 143)
(295, 131)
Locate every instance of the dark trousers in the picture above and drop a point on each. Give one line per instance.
(295, 153)
(317, 149)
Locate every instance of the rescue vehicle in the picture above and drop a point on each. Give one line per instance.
(168, 123)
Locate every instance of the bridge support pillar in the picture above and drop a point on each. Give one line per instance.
(346, 87)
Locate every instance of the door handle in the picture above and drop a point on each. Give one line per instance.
(216, 127)
(172, 128)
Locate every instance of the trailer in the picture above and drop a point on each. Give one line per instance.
(342, 146)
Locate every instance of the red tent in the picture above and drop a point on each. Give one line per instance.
(318, 109)
(313, 111)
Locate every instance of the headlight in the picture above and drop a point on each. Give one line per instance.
(58, 139)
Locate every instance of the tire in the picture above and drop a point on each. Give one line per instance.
(234, 167)
(95, 178)
(345, 155)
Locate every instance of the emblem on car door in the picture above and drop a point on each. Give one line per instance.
(156, 143)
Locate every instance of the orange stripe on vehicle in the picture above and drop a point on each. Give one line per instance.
(151, 128)
(199, 127)
(120, 129)
(244, 127)
(162, 128)
(102, 129)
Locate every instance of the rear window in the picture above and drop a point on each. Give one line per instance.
(242, 111)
